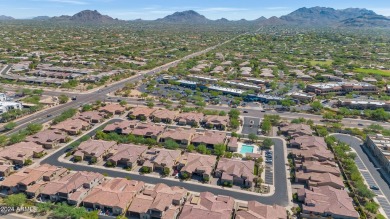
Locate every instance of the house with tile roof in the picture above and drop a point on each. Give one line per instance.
(209, 138)
(190, 118)
(126, 155)
(326, 202)
(236, 172)
(124, 127)
(22, 181)
(313, 179)
(256, 210)
(148, 130)
(161, 201)
(216, 121)
(295, 130)
(207, 205)
(112, 109)
(93, 150)
(72, 126)
(157, 159)
(72, 188)
(179, 135)
(113, 196)
(164, 115)
(48, 138)
(141, 113)
(20, 152)
(92, 116)
(199, 164)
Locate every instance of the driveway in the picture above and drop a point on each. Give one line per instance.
(370, 172)
(280, 196)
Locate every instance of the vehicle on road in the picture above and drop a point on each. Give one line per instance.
(49, 115)
(1, 178)
(74, 98)
(245, 111)
(374, 187)
(360, 124)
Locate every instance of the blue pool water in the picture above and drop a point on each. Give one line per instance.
(246, 149)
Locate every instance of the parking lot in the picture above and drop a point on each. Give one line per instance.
(269, 167)
(251, 125)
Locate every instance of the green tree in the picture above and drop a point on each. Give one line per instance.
(123, 103)
(234, 113)
(15, 200)
(190, 147)
(219, 149)
(150, 104)
(28, 162)
(202, 149)
(34, 128)
(267, 143)
(234, 123)
(10, 126)
(38, 92)
(253, 137)
(170, 144)
(91, 215)
(316, 106)
(266, 126)
(372, 207)
(166, 171)
(87, 107)
(3, 140)
(184, 175)
(145, 169)
(379, 216)
(93, 160)
(44, 207)
(322, 131)
(16, 138)
(222, 113)
(63, 99)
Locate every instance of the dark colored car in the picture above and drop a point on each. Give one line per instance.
(374, 187)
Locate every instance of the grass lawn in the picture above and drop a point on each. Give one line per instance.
(327, 62)
(385, 73)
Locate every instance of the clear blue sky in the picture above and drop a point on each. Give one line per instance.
(152, 9)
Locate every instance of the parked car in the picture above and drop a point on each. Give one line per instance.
(374, 187)
(1, 178)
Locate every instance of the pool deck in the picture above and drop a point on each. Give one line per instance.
(240, 144)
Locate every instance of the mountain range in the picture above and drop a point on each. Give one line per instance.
(315, 16)
(6, 18)
(87, 17)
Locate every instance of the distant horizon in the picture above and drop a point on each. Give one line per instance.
(154, 9)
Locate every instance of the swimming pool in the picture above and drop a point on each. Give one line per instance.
(246, 149)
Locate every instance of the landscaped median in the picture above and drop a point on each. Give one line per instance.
(361, 194)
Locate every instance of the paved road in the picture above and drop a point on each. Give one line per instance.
(369, 171)
(41, 117)
(256, 113)
(280, 196)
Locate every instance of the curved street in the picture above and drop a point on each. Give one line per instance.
(280, 197)
(370, 172)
